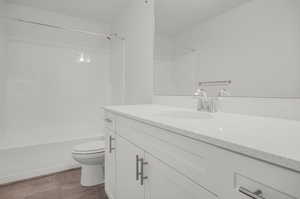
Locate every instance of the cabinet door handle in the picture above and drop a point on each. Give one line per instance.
(110, 144)
(254, 195)
(142, 171)
(137, 172)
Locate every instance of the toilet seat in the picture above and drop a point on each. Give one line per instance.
(89, 148)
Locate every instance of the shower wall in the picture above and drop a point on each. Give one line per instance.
(55, 85)
(51, 95)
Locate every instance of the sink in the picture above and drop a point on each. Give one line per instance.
(186, 114)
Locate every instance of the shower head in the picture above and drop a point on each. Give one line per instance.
(114, 35)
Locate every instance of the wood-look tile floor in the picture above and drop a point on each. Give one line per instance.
(64, 185)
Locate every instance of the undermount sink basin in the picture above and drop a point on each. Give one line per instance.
(186, 114)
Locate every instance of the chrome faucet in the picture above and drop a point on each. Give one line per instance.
(209, 104)
(203, 103)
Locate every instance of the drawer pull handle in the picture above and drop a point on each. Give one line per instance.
(254, 195)
(110, 143)
(108, 120)
(142, 171)
(137, 173)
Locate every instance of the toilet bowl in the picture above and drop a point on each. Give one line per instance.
(91, 157)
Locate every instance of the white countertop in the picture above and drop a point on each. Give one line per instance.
(276, 141)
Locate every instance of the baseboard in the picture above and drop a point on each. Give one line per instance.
(35, 173)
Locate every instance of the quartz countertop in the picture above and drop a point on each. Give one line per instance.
(273, 140)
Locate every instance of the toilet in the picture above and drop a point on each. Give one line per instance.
(91, 157)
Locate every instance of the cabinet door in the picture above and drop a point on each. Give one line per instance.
(110, 164)
(164, 182)
(128, 187)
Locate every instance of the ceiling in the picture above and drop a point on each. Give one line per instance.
(173, 16)
(96, 10)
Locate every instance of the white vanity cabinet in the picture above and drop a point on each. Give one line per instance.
(155, 163)
(141, 175)
(165, 182)
(128, 186)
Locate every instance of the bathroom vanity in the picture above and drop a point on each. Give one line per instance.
(161, 152)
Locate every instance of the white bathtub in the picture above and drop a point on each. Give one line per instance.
(30, 161)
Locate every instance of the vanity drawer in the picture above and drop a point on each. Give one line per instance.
(249, 188)
(109, 121)
(274, 181)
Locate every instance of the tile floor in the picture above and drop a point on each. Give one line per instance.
(64, 185)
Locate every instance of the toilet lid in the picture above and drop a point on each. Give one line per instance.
(89, 147)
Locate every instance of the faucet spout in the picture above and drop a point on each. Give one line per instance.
(202, 100)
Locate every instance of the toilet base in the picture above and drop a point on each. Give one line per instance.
(92, 175)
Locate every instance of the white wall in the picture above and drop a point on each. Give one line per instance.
(51, 100)
(136, 24)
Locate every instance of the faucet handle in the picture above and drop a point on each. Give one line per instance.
(223, 93)
(197, 92)
(201, 93)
